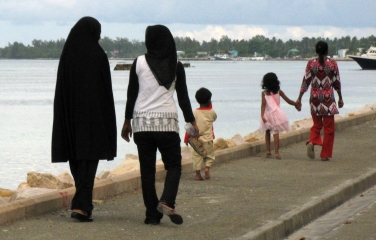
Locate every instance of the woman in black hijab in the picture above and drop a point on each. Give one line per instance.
(84, 125)
(153, 79)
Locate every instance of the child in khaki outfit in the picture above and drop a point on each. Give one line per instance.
(205, 116)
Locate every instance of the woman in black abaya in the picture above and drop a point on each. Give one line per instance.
(84, 125)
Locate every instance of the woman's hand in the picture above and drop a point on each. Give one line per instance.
(298, 105)
(340, 103)
(126, 132)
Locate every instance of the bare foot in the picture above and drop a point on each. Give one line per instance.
(80, 212)
(199, 178)
(198, 175)
(207, 173)
(277, 156)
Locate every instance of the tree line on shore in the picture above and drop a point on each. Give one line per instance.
(257, 45)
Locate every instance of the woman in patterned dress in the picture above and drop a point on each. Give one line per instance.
(323, 76)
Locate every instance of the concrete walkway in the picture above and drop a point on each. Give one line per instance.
(248, 197)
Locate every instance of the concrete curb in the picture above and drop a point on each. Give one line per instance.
(288, 223)
(106, 188)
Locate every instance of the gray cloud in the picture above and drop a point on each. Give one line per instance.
(339, 13)
(25, 20)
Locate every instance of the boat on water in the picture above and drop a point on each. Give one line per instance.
(222, 57)
(366, 61)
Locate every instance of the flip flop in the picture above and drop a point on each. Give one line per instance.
(268, 155)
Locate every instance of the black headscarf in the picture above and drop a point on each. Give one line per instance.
(84, 125)
(161, 54)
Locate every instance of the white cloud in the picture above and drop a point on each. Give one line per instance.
(25, 20)
(201, 32)
(216, 32)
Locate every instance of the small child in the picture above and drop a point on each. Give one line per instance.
(205, 116)
(273, 119)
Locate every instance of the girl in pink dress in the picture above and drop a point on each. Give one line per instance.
(273, 119)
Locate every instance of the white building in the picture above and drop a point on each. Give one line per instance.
(342, 53)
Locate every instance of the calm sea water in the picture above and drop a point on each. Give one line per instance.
(27, 92)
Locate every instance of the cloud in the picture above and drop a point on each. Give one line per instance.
(25, 20)
(200, 32)
(339, 13)
(216, 32)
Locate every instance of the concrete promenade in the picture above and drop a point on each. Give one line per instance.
(248, 197)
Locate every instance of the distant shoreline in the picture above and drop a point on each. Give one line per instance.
(272, 59)
(195, 59)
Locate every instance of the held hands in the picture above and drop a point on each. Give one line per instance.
(197, 134)
(126, 132)
(298, 105)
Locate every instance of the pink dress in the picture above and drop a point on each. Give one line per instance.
(276, 119)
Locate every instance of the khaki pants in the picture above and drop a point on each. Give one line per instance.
(198, 160)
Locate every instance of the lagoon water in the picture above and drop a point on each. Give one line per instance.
(27, 92)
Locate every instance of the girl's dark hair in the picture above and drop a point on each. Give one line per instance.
(203, 96)
(270, 83)
(321, 50)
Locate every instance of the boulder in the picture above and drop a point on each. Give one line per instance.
(23, 185)
(47, 180)
(238, 139)
(230, 143)
(254, 136)
(252, 139)
(130, 163)
(30, 192)
(6, 192)
(104, 174)
(365, 109)
(66, 177)
(302, 124)
(220, 143)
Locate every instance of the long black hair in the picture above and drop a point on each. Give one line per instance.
(321, 50)
(270, 83)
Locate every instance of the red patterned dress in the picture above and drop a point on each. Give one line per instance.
(323, 79)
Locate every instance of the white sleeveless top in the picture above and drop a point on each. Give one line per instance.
(155, 107)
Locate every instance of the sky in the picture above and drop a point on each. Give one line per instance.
(24, 20)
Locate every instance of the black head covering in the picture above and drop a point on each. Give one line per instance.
(84, 125)
(161, 54)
